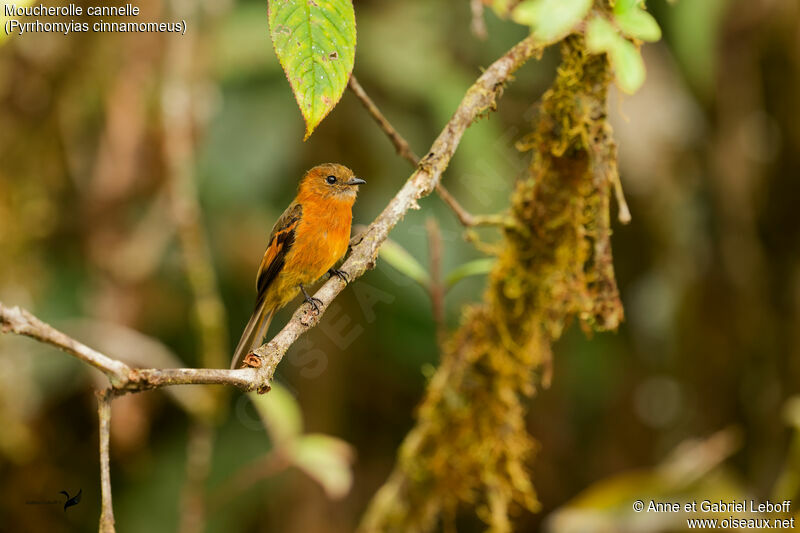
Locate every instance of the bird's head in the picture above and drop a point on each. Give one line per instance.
(330, 181)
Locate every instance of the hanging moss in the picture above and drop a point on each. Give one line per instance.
(470, 443)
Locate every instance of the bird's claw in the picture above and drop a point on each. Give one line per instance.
(315, 303)
(341, 274)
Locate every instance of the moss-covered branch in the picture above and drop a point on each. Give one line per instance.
(470, 443)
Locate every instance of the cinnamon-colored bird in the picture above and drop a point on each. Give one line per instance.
(306, 242)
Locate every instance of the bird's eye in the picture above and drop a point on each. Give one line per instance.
(331, 179)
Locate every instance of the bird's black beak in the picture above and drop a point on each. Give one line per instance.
(356, 181)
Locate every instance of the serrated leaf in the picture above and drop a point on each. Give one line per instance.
(315, 41)
(402, 260)
(551, 20)
(279, 413)
(626, 59)
(326, 460)
(477, 267)
(639, 24)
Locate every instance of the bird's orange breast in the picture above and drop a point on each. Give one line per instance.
(321, 239)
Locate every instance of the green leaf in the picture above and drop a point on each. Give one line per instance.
(399, 258)
(315, 41)
(501, 8)
(600, 35)
(628, 65)
(639, 24)
(280, 413)
(477, 267)
(623, 6)
(625, 58)
(326, 460)
(551, 20)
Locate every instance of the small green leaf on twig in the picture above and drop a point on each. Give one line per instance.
(402, 260)
(623, 6)
(639, 24)
(551, 20)
(628, 65)
(323, 458)
(600, 35)
(624, 56)
(502, 8)
(316, 44)
(279, 413)
(326, 460)
(477, 267)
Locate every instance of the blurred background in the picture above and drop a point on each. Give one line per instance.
(106, 139)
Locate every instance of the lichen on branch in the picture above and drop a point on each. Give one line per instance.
(470, 443)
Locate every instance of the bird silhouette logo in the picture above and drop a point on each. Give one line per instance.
(71, 501)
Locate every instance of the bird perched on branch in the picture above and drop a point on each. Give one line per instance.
(306, 242)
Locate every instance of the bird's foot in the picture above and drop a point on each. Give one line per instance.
(315, 303)
(341, 274)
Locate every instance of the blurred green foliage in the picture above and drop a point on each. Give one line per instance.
(708, 269)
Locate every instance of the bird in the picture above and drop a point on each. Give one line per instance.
(308, 239)
(75, 500)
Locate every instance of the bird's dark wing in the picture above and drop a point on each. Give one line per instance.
(77, 497)
(280, 242)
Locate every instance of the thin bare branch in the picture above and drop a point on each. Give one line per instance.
(404, 150)
(104, 398)
(400, 144)
(469, 220)
(464, 216)
(155, 378)
(19, 321)
(123, 378)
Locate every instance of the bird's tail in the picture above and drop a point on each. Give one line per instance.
(253, 333)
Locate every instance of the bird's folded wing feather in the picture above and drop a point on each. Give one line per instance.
(280, 242)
